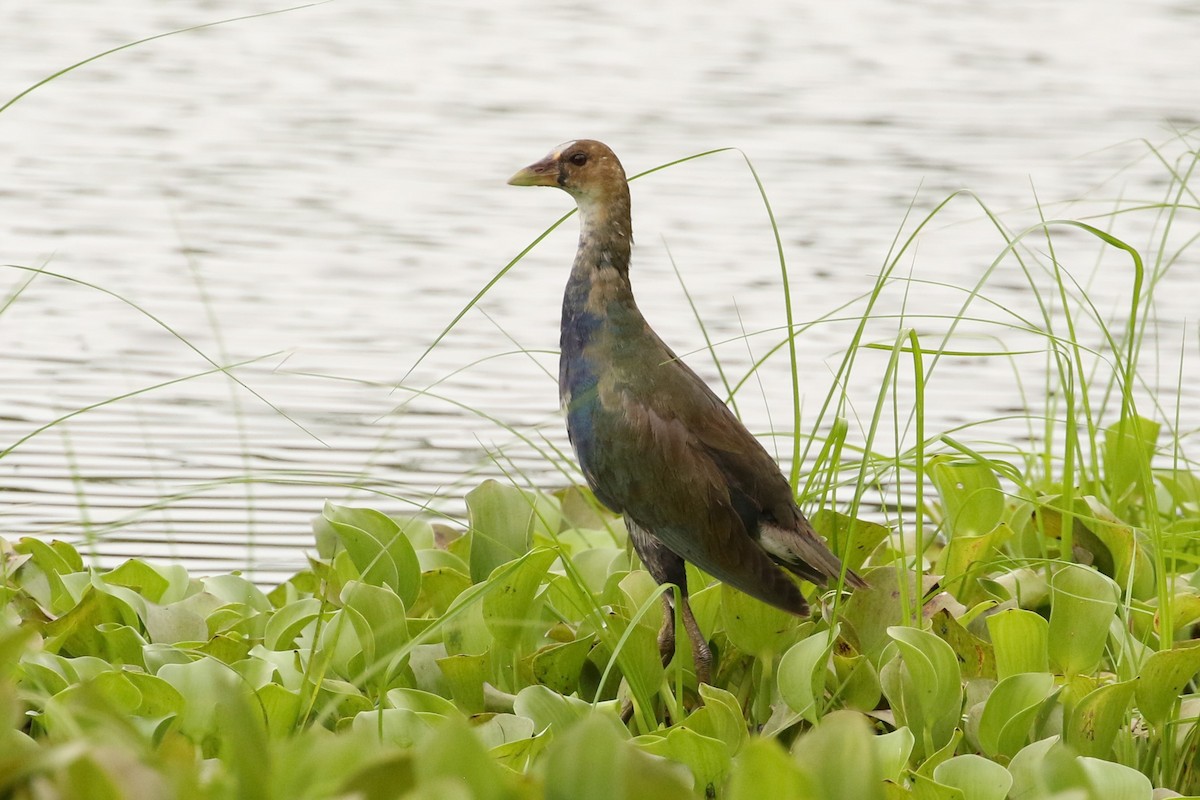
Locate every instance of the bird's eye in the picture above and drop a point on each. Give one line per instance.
(579, 159)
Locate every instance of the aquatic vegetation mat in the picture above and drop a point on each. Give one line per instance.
(418, 660)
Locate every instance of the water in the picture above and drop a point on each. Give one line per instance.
(323, 191)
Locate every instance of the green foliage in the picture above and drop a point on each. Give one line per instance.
(1028, 631)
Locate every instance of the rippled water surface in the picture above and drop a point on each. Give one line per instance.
(313, 196)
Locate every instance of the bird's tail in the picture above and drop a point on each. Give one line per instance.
(803, 553)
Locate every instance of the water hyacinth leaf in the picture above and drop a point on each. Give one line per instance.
(970, 494)
(42, 574)
(1162, 678)
(857, 682)
(840, 759)
(1093, 723)
(706, 758)
(494, 730)
(763, 769)
(1082, 604)
(286, 624)
(1020, 641)
(1010, 710)
(230, 589)
(852, 539)
(398, 726)
(975, 776)
(924, 686)
(558, 665)
(1115, 781)
(508, 606)
(720, 718)
(465, 675)
(463, 627)
(1045, 767)
(139, 576)
(592, 762)
(550, 710)
(439, 587)
(1128, 449)
(1115, 545)
(503, 521)
(280, 706)
(76, 632)
(123, 644)
(174, 624)
(975, 656)
(802, 673)
(381, 629)
(926, 788)
(962, 557)
(209, 689)
(380, 551)
(753, 626)
(892, 750)
(869, 612)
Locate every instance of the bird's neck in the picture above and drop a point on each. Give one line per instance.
(600, 276)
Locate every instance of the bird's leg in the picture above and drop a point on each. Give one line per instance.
(667, 567)
(666, 634)
(701, 653)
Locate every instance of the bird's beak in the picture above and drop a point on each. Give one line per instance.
(543, 173)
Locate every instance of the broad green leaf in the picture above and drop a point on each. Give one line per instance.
(852, 539)
(209, 690)
(549, 709)
(708, 759)
(840, 759)
(869, 612)
(1010, 710)
(720, 718)
(286, 624)
(970, 493)
(926, 788)
(975, 776)
(591, 762)
(762, 769)
(857, 683)
(802, 672)
(465, 675)
(139, 576)
(503, 522)
(509, 609)
(1128, 448)
(753, 626)
(381, 628)
(558, 665)
(1082, 603)
(1093, 723)
(975, 656)
(892, 751)
(924, 687)
(439, 587)
(1020, 640)
(1115, 781)
(379, 549)
(495, 730)
(1162, 678)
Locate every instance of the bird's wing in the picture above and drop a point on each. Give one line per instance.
(756, 488)
(658, 469)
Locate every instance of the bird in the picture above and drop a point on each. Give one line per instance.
(654, 442)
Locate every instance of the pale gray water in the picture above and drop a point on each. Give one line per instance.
(329, 185)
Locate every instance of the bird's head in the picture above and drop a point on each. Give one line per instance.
(586, 169)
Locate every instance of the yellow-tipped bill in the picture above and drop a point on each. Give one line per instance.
(543, 173)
